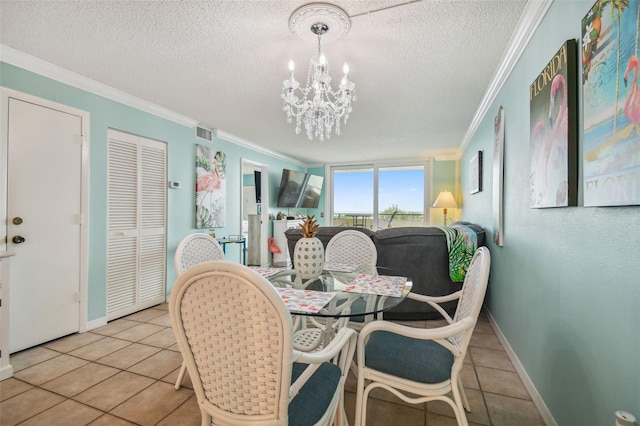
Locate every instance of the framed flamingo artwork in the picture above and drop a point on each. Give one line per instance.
(553, 171)
(211, 195)
(611, 104)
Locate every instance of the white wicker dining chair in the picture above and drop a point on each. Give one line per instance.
(196, 248)
(424, 363)
(310, 333)
(193, 250)
(357, 248)
(351, 247)
(346, 247)
(235, 335)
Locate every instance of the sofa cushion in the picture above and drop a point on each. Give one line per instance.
(421, 254)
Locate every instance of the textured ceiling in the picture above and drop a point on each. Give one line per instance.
(420, 67)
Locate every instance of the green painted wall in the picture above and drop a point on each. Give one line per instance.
(180, 141)
(564, 289)
(444, 179)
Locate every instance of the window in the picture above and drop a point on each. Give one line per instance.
(353, 197)
(378, 197)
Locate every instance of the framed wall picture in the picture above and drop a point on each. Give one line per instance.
(211, 194)
(475, 173)
(553, 114)
(498, 177)
(611, 104)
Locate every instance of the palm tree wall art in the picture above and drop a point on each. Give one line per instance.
(611, 102)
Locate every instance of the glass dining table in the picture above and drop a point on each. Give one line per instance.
(341, 290)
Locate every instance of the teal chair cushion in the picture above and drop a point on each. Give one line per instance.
(315, 396)
(358, 305)
(423, 361)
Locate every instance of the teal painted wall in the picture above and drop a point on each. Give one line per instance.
(180, 141)
(564, 289)
(319, 212)
(248, 180)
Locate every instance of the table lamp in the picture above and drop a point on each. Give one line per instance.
(444, 201)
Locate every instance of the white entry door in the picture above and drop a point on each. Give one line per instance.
(44, 213)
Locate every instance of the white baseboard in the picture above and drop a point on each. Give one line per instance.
(96, 323)
(6, 372)
(528, 384)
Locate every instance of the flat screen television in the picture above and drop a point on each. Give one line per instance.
(299, 190)
(310, 196)
(291, 186)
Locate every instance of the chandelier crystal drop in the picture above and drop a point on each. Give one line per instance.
(317, 106)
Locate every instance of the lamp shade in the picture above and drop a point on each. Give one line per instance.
(445, 200)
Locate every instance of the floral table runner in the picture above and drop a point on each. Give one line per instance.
(266, 272)
(304, 300)
(382, 285)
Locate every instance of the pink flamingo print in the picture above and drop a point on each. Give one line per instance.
(632, 105)
(560, 125)
(538, 133)
(211, 181)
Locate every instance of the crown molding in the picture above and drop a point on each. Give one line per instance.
(46, 69)
(31, 63)
(534, 12)
(254, 147)
(452, 157)
(314, 165)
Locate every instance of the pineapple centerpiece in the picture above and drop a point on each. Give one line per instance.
(308, 255)
(309, 227)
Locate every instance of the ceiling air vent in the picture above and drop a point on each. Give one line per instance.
(203, 133)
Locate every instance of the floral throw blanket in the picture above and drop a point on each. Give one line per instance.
(462, 243)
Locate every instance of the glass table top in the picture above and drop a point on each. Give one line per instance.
(341, 290)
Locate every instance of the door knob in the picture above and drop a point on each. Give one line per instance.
(18, 239)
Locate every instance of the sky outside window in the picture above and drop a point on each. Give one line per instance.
(399, 186)
(353, 191)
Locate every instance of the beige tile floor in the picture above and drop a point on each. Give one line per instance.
(123, 374)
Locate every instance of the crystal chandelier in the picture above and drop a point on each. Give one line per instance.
(317, 106)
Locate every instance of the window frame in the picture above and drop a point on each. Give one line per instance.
(376, 166)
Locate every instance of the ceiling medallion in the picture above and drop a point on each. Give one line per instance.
(317, 106)
(305, 16)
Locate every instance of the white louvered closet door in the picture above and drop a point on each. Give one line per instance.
(137, 199)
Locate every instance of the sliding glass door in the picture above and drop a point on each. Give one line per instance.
(400, 197)
(353, 195)
(378, 197)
